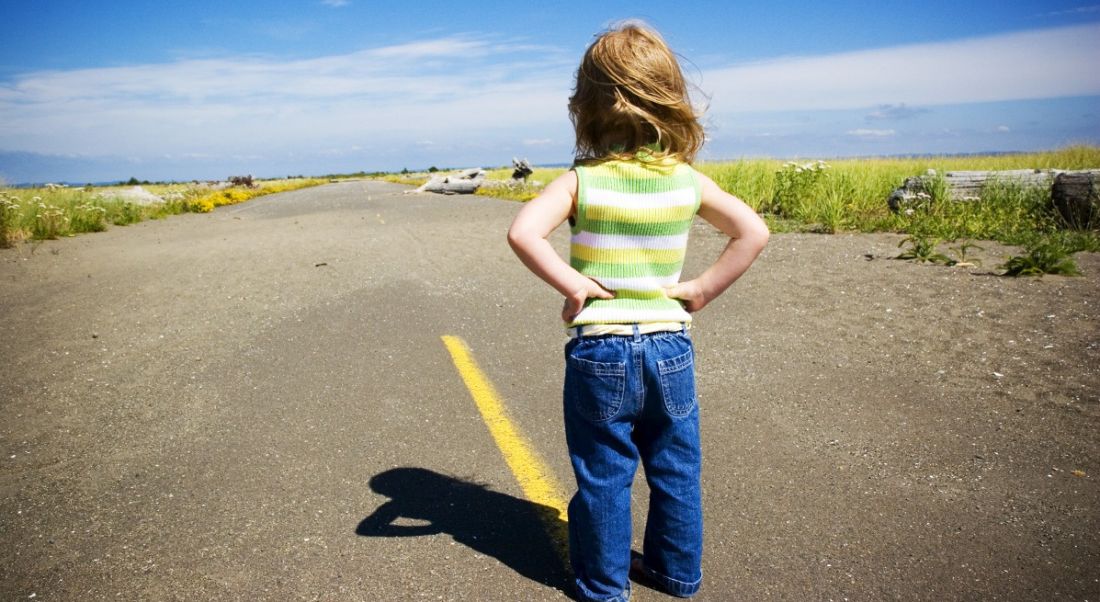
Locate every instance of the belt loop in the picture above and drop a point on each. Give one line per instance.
(637, 333)
(580, 330)
(683, 327)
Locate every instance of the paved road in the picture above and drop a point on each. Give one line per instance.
(256, 404)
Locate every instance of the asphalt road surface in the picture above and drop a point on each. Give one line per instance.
(255, 404)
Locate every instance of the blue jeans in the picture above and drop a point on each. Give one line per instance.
(629, 398)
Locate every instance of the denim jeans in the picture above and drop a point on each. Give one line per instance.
(629, 398)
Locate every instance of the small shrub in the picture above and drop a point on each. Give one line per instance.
(87, 217)
(1046, 256)
(49, 221)
(796, 185)
(9, 219)
(124, 214)
(923, 250)
(963, 251)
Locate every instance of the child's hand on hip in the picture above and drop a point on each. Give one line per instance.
(574, 303)
(689, 293)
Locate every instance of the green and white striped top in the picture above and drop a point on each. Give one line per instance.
(630, 235)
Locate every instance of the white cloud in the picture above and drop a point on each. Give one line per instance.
(335, 3)
(867, 133)
(1079, 10)
(1003, 128)
(1046, 63)
(401, 93)
(894, 112)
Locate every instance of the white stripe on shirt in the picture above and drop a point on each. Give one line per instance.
(636, 200)
(612, 315)
(618, 241)
(645, 283)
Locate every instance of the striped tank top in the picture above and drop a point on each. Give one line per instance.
(630, 235)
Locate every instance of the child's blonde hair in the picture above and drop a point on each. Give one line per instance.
(630, 93)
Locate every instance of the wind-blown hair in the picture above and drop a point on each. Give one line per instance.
(630, 93)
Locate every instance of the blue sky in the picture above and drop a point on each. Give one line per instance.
(93, 91)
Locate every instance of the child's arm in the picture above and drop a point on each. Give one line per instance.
(748, 235)
(527, 236)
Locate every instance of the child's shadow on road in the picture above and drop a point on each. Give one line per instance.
(512, 530)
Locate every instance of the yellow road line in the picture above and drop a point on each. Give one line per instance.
(534, 476)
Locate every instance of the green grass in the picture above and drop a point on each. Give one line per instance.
(410, 179)
(41, 213)
(853, 193)
(520, 191)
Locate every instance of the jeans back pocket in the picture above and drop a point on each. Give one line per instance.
(677, 376)
(594, 389)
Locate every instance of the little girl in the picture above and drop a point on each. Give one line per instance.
(629, 380)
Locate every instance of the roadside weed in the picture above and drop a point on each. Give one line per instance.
(123, 213)
(798, 186)
(87, 217)
(1046, 256)
(963, 251)
(49, 222)
(923, 250)
(9, 219)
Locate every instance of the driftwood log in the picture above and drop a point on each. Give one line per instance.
(469, 180)
(522, 169)
(465, 182)
(1077, 200)
(964, 185)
